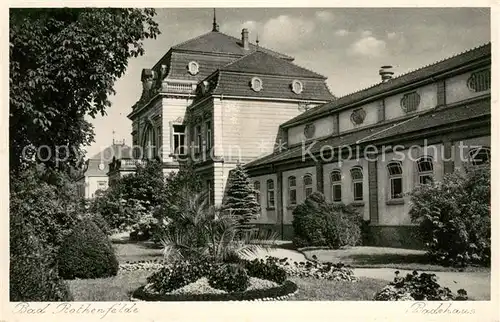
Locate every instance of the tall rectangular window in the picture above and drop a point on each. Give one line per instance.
(308, 185)
(292, 191)
(336, 181)
(357, 183)
(179, 139)
(270, 194)
(396, 179)
(199, 139)
(208, 134)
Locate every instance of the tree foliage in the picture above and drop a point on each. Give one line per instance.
(63, 65)
(240, 198)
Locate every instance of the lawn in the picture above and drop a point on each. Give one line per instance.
(118, 288)
(384, 257)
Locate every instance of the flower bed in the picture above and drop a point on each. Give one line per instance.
(279, 292)
(329, 271)
(418, 287)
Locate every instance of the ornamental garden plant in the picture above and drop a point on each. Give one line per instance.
(317, 222)
(454, 218)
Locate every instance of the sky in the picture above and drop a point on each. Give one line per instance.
(347, 45)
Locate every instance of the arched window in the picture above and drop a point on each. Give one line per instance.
(396, 179)
(308, 185)
(256, 187)
(292, 190)
(336, 180)
(270, 194)
(357, 183)
(480, 156)
(149, 142)
(425, 170)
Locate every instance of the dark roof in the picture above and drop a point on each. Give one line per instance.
(436, 118)
(218, 42)
(260, 62)
(425, 72)
(178, 63)
(237, 84)
(119, 151)
(424, 121)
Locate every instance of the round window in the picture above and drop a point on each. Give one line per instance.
(193, 68)
(297, 87)
(256, 84)
(309, 130)
(358, 116)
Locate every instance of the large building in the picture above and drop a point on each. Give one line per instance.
(219, 100)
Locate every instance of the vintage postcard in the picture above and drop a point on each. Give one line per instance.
(335, 162)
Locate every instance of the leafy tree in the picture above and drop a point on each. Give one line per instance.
(63, 65)
(132, 197)
(240, 198)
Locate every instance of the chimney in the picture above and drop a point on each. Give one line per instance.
(244, 38)
(385, 73)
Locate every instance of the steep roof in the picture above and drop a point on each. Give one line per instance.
(218, 42)
(419, 124)
(423, 73)
(119, 151)
(260, 62)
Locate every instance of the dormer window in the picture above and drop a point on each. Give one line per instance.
(193, 68)
(297, 87)
(256, 84)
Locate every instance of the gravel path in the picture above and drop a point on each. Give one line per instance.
(477, 284)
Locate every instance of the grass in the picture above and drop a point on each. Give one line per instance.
(117, 288)
(384, 257)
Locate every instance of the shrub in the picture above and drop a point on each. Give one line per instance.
(229, 277)
(328, 271)
(33, 276)
(268, 270)
(319, 223)
(99, 221)
(87, 253)
(415, 287)
(454, 218)
(177, 275)
(145, 228)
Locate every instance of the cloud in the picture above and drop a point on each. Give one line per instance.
(368, 46)
(391, 35)
(285, 32)
(341, 32)
(324, 15)
(366, 33)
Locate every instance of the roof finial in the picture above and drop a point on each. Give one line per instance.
(113, 137)
(257, 41)
(215, 26)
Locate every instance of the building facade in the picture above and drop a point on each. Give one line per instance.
(372, 147)
(217, 100)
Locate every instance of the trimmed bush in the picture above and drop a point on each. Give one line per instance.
(415, 287)
(33, 276)
(229, 277)
(268, 270)
(319, 223)
(87, 253)
(100, 222)
(454, 218)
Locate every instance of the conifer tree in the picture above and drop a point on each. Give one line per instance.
(240, 199)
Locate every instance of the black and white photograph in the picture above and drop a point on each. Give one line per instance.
(248, 154)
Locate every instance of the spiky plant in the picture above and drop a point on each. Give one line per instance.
(209, 233)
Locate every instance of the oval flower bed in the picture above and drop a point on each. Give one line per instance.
(244, 280)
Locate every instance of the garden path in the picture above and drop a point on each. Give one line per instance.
(477, 284)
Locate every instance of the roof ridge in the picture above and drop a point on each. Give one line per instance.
(420, 68)
(266, 48)
(189, 40)
(285, 61)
